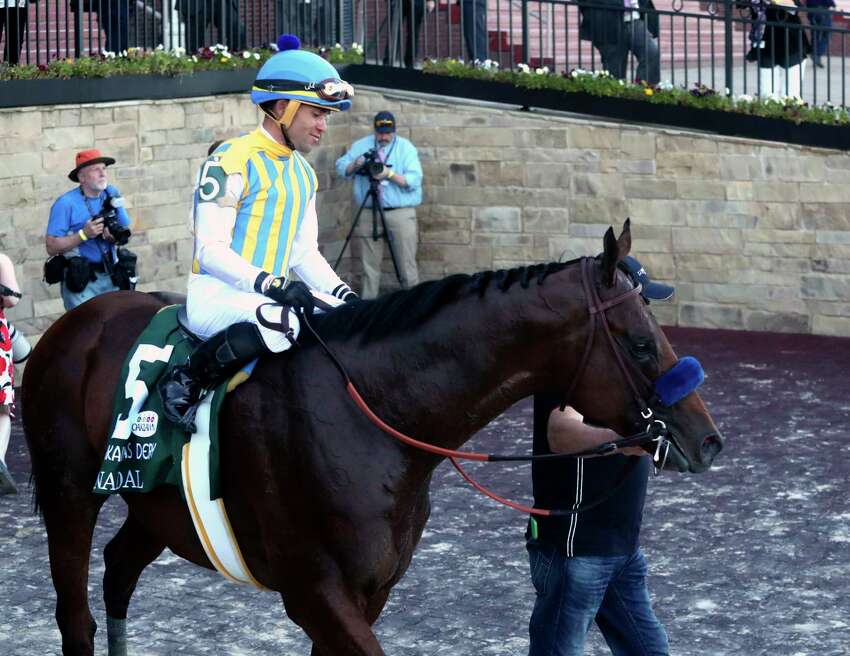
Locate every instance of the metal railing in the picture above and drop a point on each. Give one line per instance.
(746, 46)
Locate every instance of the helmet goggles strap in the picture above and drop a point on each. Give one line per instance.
(330, 90)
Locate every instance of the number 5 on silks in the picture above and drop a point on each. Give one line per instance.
(137, 390)
(212, 181)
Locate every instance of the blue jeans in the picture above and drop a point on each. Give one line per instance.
(573, 592)
(97, 287)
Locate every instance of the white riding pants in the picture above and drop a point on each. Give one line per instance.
(213, 305)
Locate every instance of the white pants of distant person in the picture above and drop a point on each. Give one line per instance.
(772, 81)
(401, 223)
(213, 305)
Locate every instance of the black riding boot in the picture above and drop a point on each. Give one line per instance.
(210, 364)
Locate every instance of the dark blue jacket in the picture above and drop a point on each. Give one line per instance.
(610, 529)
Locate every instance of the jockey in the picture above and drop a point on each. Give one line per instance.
(254, 222)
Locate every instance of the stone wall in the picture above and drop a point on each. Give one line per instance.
(754, 235)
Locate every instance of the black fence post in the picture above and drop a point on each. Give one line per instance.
(525, 54)
(727, 21)
(78, 30)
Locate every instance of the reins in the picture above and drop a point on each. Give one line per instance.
(653, 432)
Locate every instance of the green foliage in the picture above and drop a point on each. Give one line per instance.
(135, 61)
(602, 84)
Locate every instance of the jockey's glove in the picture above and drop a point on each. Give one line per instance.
(294, 293)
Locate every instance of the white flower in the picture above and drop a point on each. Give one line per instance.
(194, 58)
(622, 84)
(338, 46)
(160, 47)
(179, 51)
(744, 98)
(246, 55)
(542, 71)
(726, 91)
(524, 68)
(256, 55)
(354, 45)
(665, 86)
(273, 46)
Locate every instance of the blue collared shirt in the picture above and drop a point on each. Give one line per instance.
(70, 213)
(401, 156)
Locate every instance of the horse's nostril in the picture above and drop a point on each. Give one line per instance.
(711, 446)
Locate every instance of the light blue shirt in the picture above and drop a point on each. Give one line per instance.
(70, 213)
(401, 156)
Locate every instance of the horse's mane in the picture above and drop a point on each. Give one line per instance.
(407, 309)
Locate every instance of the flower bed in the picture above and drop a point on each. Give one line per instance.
(603, 85)
(135, 61)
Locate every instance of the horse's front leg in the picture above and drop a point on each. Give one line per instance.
(334, 618)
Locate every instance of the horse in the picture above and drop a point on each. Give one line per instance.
(328, 509)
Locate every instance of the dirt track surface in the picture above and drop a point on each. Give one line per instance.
(749, 558)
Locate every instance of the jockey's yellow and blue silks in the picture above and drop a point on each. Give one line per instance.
(278, 185)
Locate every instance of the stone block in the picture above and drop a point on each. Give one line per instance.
(779, 236)
(94, 115)
(75, 138)
(679, 143)
(832, 237)
(497, 219)
(741, 167)
(825, 287)
(656, 212)
(824, 216)
(822, 192)
(776, 322)
(705, 240)
(654, 188)
(594, 138)
(461, 174)
(21, 123)
(687, 165)
(128, 113)
(552, 176)
(795, 168)
(16, 192)
(598, 185)
(638, 145)
(706, 315)
(20, 164)
(740, 190)
(767, 249)
(547, 220)
(124, 150)
(700, 190)
(161, 116)
(594, 210)
(837, 326)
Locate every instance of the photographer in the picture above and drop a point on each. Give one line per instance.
(394, 161)
(86, 224)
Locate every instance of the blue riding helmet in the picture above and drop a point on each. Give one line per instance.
(303, 77)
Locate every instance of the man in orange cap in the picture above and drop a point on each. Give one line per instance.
(76, 229)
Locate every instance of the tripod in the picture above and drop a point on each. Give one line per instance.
(377, 213)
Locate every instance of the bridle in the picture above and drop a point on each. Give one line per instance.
(656, 430)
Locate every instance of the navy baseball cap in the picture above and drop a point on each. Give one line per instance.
(654, 291)
(384, 122)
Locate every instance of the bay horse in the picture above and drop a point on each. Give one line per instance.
(328, 509)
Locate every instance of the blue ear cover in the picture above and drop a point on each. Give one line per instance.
(288, 42)
(682, 379)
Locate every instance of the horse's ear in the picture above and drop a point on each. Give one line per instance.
(624, 241)
(610, 257)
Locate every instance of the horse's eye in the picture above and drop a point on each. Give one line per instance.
(643, 351)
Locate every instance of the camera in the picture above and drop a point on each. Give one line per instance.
(109, 214)
(372, 166)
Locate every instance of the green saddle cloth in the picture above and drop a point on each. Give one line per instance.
(144, 449)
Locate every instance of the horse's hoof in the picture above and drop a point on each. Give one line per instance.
(7, 483)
